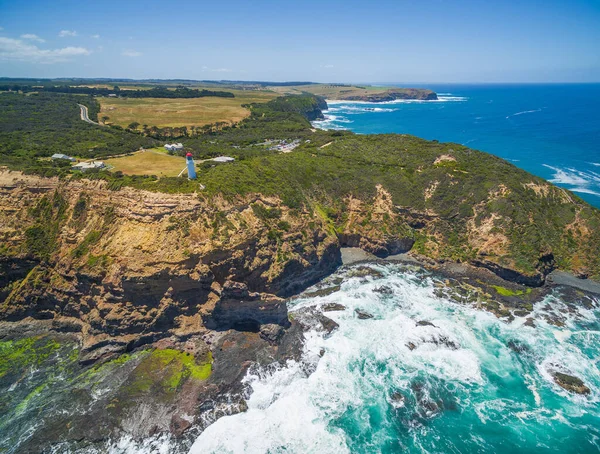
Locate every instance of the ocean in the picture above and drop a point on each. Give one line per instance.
(426, 374)
(429, 373)
(552, 131)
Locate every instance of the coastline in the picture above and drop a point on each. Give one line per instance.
(353, 256)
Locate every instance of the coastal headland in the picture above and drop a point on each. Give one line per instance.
(165, 291)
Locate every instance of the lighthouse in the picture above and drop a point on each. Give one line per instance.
(190, 166)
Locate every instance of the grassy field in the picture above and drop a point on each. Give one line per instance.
(148, 162)
(162, 112)
(331, 91)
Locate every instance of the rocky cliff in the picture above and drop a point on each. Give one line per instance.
(393, 94)
(127, 268)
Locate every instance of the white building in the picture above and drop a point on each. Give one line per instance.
(223, 159)
(63, 156)
(84, 166)
(173, 147)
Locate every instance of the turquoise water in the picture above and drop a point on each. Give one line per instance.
(552, 131)
(471, 383)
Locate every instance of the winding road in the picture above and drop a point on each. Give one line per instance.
(84, 115)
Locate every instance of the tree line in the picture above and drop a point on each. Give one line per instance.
(156, 92)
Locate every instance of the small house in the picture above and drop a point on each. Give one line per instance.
(173, 146)
(91, 165)
(56, 156)
(223, 159)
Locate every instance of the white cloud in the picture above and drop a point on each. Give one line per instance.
(131, 53)
(216, 70)
(67, 33)
(32, 37)
(16, 49)
(96, 36)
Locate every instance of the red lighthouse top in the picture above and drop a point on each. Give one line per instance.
(188, 154)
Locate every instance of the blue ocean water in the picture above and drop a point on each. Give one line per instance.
(552, 131)
(463, 382)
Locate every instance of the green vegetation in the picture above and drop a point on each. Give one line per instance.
(164, 371)
(83, 247)
(36, 126)
(464, 190)
(48, 214)
(180, 117)
(18, 355)
(148, 163)
(155, 92)
(508, 292)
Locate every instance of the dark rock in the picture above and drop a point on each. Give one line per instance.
(411, 346)
(328, 325)
(384, 290)
(571, 383)
(271, 332)
(235, 291)
(536, 279)
(363, 315)
(517, 346)
(248, 314)
(322, 291)
(333, 307)
(425, 323)
(521, 313)
(364, 271)
(529, 322)
(443, 340)
(397, 399)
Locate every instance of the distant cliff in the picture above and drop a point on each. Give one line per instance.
(309, 106)
(393, 94)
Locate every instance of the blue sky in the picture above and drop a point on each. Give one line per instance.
(325, 41)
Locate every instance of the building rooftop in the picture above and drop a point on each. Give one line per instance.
(224, 159)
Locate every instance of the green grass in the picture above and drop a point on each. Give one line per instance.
(166, 370)
(165, 112)
(149, 162)
(17, 355)
(508, 292)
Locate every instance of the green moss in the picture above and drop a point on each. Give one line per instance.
(84, 247)
(25, 402)
(18, 355)
(164, 371)
(508, 292)
(98, 260)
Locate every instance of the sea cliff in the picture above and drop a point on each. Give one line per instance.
(392, 94)
(172, 295)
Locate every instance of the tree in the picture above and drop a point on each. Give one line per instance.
(133, 125)
(104, 119)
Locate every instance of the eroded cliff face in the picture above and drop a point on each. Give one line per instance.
(394, 94)
(124, 269)
(129, 268)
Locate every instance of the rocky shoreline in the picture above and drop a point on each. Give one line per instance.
(393, 95)
(234, 345)
(164, 301)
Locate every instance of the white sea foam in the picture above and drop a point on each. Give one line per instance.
(525, 112)
(290, 411)
(336, 116)
(587, 182)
